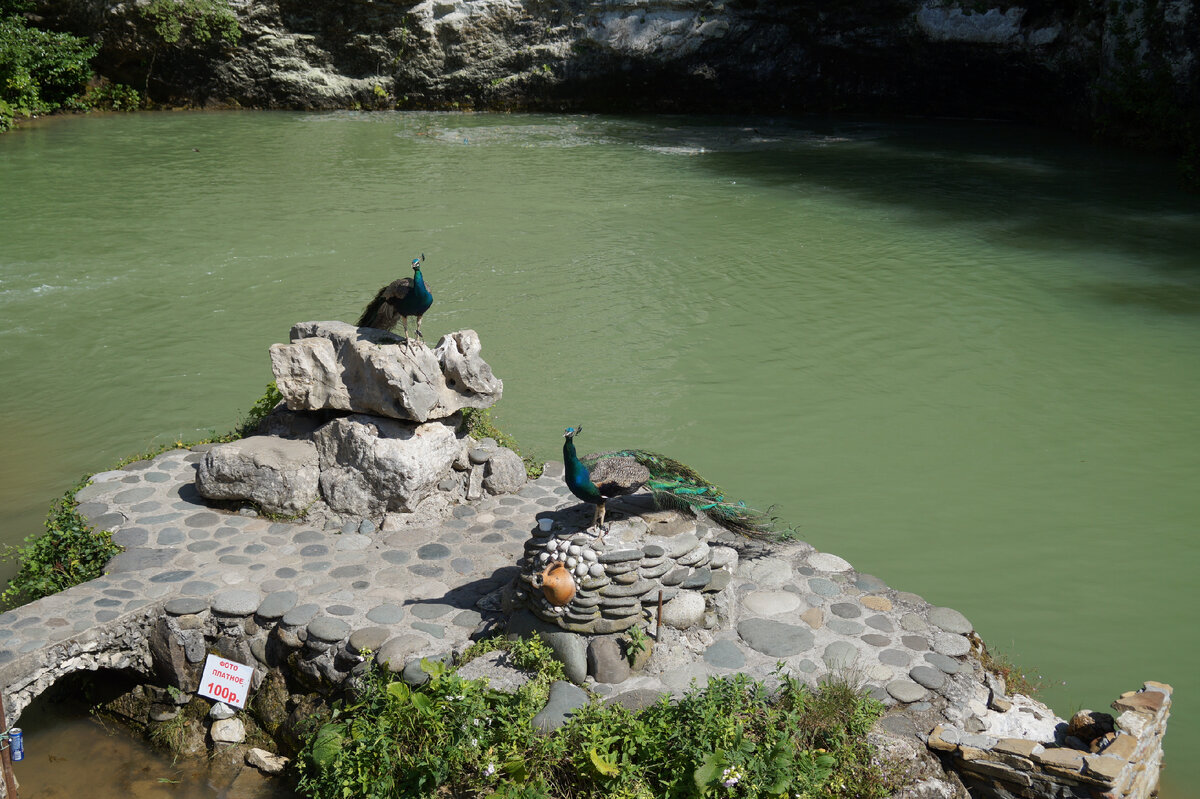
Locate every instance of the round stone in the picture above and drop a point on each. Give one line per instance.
(847, 610)
(869, 582)
(725, 655)
(236, 602)
(875, 639)
(684, 611)
(205, 519)
(949, 620)
(369, 638)
(844, 626)
(340, 610)
(348, 572)
(314, 551)
(913, 623)
(774, 638)
(770, 603)
(823, 587)
(946, 664)
(431, 610)
(186, 605)
(880, 603)
(385, 614)
(827, 562)
(927, 676)
(916, 643)
(840, 655)
(905, 691)
(950, 644)
(895, 657)
(433, 552)
(276, 604)
(301, 614)
(881, 623)
(329, 629)
(395, 556)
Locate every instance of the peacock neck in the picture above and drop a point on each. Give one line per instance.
(578, 478)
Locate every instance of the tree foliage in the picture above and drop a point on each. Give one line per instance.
(40, 71)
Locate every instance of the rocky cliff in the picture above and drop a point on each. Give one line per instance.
(1124, 64)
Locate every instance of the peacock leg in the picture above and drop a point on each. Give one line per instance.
(420, 335)
(598, 522)
(404, 321)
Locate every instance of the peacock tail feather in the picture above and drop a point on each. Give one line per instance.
(677, 485)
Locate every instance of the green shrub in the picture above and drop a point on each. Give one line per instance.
(459, 738)
(259, 410)
(478, 423)
(40, 71)
(68, 553)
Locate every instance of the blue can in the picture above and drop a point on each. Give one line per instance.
(17, 743)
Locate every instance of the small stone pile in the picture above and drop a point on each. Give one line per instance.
(369, 432)
(617, 580)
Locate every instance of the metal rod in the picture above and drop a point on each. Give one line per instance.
(658, 621)
(10, 781)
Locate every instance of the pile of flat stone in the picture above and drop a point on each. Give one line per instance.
(369, 431)
(622, 578)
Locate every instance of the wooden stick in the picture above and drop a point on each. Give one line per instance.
(658, 621)
(10, 781)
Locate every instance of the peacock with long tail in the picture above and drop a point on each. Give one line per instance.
(597, 477)
(397, 301)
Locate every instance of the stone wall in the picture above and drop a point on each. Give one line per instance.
(1126, 766)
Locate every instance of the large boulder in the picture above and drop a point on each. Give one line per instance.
(279, 475)
(337, 366)
(370, 465)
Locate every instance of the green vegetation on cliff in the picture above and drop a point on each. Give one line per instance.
(40, 71)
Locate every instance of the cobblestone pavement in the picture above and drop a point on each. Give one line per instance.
(423, 592)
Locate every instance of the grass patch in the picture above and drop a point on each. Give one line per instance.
(478, 423)
(1016, 679)
(733, 737)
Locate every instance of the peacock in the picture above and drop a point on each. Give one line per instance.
(596, 477)
(398, 300)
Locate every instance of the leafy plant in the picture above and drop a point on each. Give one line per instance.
(260, 409)
(478, 423)
(68, 553)
(454, 737)
(635, 644)
(40, 70)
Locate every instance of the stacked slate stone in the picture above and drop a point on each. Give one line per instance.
(620, 579)
(369, 428)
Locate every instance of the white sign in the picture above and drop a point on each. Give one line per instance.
(226, 681)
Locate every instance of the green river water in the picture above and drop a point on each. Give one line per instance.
(965, 356)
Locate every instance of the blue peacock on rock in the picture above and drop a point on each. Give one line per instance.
(595, 478)
(397, 301)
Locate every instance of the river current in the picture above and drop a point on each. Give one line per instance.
(965, 356)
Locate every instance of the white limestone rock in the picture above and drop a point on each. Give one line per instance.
(266, 762)
(279, 475)
(337, 366)
(228, 731)
(371, 465)
(504, 473)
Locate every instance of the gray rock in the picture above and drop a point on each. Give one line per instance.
(570, 648)
(840, 655)
(276, 604)
(686, 610)
(775, 638)
(927, 676)
(300, 615)
(564, 698)
(395, 653)
(266, 762)
(905, 691)
(236, 602)
(949, 620)
(333, 365)
(499, 671)
(220, 710)
(368, 639)
(504, 472)
(185, 606)
(228, 731)
(951, 645)
(725, 655)
(605, 660)
(279, 475)
(327, 628)
(370, 465)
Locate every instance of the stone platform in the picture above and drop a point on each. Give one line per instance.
(194, 577)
